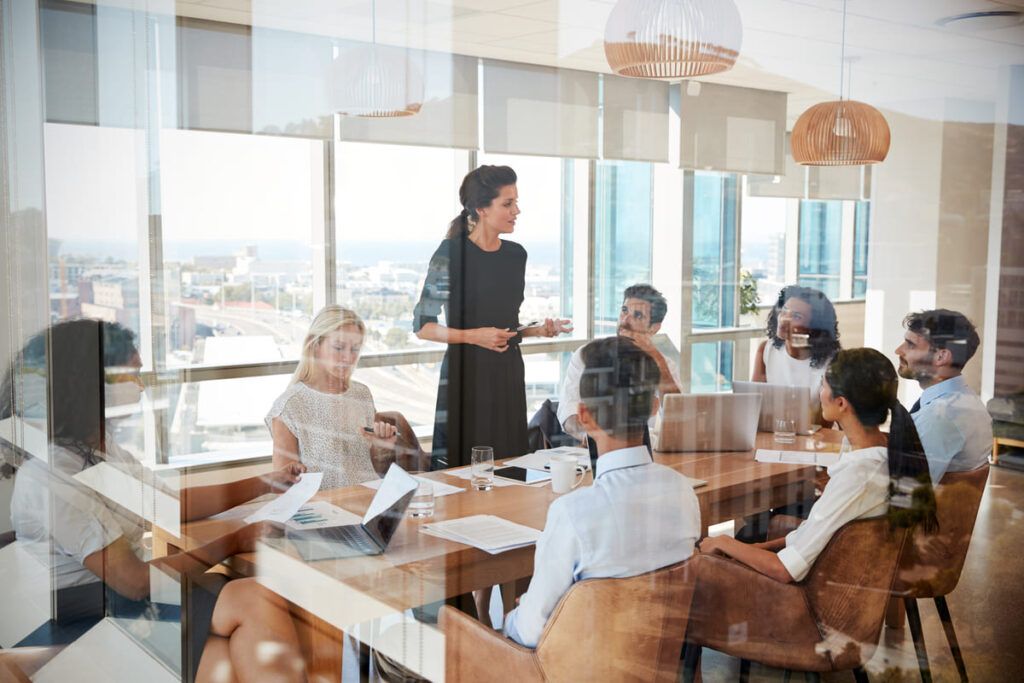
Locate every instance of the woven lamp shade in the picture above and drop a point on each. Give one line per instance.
(840, 133)
(374, 82)
(672, 38)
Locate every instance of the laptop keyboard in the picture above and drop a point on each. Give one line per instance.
(352, 536)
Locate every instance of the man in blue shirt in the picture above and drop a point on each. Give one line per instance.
(638, 516)
(955, 427)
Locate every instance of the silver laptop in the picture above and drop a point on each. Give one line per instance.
(779, 401)
(707, 422)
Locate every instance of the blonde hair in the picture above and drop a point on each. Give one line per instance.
(330, 318)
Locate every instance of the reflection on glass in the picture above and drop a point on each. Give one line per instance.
(714, 250)
(821, 227)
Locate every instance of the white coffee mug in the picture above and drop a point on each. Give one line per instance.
(564, 473)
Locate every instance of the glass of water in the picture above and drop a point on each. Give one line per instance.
(785, 430)
(422, 503)
(482, 467)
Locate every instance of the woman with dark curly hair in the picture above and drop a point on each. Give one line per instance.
(803, 336)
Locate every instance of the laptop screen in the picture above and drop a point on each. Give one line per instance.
(388, 506)
(382, 527)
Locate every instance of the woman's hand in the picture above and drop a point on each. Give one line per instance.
(282, 479)
(383, 435)
(557, 326)
(491, 338)
(715, 545)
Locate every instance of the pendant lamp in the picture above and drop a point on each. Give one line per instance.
(843, 132)
(672, 38)
(376, 81)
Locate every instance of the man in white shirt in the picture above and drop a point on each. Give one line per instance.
(643, 310)
(955, 427)
(637, 517)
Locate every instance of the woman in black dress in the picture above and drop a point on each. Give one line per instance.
(478, 279)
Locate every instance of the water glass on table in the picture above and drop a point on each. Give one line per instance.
(482, 467)
(785, 430)
(422, 503)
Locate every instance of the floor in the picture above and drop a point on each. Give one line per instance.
(987, 607)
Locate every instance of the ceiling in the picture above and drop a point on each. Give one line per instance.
(899, 57)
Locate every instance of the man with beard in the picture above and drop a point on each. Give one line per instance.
(955, 428)
(643, 310)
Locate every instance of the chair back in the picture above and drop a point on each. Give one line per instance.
(848, 588)
(619, 629)
(931, 563)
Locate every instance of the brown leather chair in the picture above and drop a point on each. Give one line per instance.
(603, 629)
(931, 563)
(830, 621)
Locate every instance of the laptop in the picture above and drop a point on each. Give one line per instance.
(707, 422)
(372, 536)
(779, 401)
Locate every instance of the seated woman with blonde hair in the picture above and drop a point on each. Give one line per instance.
(326, 420)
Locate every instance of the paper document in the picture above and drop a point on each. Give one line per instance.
(796, 457)
(320, 514)
(486, 532)
(288, 503)
(395, 484)
(538, 459)
(440, 488)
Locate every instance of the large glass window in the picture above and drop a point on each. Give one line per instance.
(714, 250)
(763, 249)
(861, 234)
(622, 236)
(821, 227)
(240, 218)
(393, 206)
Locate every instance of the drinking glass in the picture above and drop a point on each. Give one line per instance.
(422, 503)
(482, 467)
(785, 430)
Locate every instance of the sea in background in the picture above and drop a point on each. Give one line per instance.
(356, 253)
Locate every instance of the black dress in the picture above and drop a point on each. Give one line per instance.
(481, 399)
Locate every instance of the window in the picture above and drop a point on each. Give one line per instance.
(861, 235)
(714, 250)
(763, 251)
(821, 227)
(623, 225)
(711, 368)
(393, 205)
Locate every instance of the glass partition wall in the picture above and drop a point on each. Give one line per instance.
(183, 195)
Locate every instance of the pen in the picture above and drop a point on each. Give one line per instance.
(369, 430)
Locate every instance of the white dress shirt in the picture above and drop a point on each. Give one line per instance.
(638, 516)
(569, 396)
(858, 487)
(955, 428)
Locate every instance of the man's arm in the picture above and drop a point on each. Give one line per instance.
(941, 438)
(554, 563)
(569, 397)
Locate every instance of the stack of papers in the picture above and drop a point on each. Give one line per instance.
(488, 533)
(796, 457)
(440, 488)
(537, 460)
(282, 508)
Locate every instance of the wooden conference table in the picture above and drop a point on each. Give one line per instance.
(418, 569)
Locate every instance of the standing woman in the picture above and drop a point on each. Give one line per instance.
(478, 279)
(803, 336)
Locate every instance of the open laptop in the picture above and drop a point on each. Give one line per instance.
(372, 536)
(779, 401)
(707, 422)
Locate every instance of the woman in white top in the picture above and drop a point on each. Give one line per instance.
(859, 392)
(325, 419)
(803, 336)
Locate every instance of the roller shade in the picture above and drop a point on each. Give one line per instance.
(635, 119)
(839, 182)
(732, 129)
(449, 114)
(791, 184)
(214, 76)
(290, 75)
(540, 110)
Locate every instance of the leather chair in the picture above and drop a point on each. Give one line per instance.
(603, 629)
(830, 621)
(931, 563)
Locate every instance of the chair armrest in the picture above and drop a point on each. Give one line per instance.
(474, 652)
